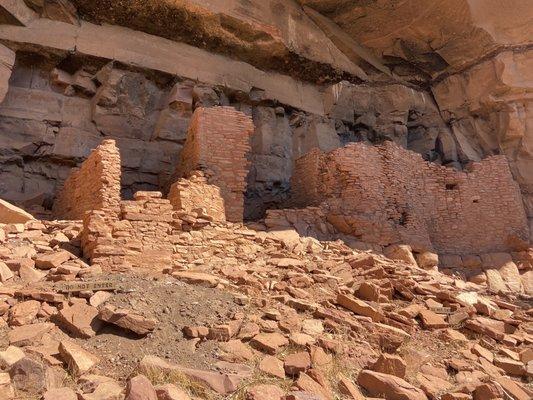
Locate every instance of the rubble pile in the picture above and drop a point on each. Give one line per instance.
(308, 320)
(266, 200)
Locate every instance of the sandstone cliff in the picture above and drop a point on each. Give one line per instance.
(448, 79)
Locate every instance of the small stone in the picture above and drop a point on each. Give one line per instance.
(308, 384)
(127, 319)
(264, 392)
(297, 362)
(347, 388)
(10, 356)
(24, 313)
(510, 366)
(272, 366)
(28, 375)
(272, 314)
(5, 273)
(60, 394)
(78, 360)
(488, 392)
(7, 392)
(238, 351)
(170, 392)
(312, 327)
(301, 339)
(193, 332)
(389, 386)
(52, 260)
(222, 333)
(30, 274)
(319, 358)
(140, 388)
(28, 334)
(99, 298)
(269, 342)
(431, 320)
(360, 307)
(80, 320)
(390, 364)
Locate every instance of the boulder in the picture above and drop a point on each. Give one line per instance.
(400, 252)
(427, 260)
(10, 214)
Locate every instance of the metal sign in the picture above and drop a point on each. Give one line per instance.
(67, 287)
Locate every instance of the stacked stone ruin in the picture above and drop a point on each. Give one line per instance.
(94, 186)
(219, 143)
(380, 195)
(386, 194)
(140, 232)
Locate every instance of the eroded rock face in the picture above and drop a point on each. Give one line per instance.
(52, 118)
(431, 37)
(270, 60)
(273, 34)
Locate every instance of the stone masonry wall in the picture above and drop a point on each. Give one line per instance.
(195, 193)
(218, 143)
(93, 186)
(140, 236)
(386, 194)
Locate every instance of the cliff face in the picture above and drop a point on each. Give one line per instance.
(448, 79)
(432, 38)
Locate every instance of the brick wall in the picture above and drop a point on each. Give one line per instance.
(95, 185)
(386, 194)
(196, 193)
(218, 143)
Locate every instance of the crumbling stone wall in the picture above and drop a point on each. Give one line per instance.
(195, 193)
(139, 236)
(386, 194)
(93, 186)
(218, 142)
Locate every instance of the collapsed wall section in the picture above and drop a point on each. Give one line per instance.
(95, 185)
(139, 236)
(386, 194)
(197, 195)
(218, 143)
